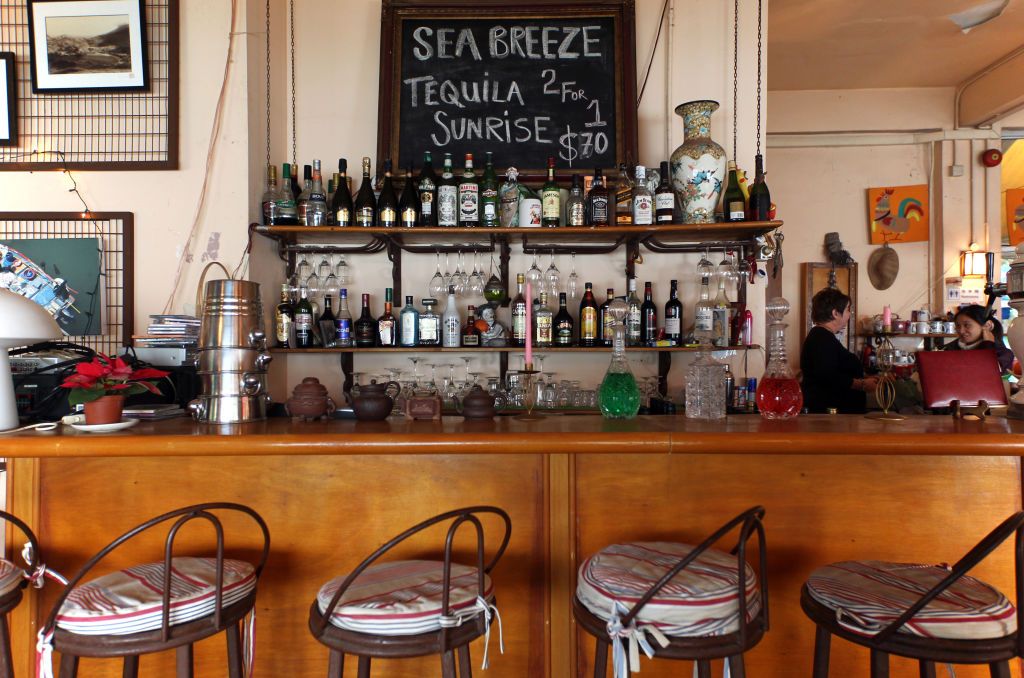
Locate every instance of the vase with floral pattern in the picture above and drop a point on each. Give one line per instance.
(698, 165)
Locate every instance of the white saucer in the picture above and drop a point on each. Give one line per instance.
(105, 428)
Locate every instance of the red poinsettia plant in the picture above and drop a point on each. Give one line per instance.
(109, 376)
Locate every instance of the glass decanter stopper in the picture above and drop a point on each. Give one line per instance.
(778, 393)
(618, 396)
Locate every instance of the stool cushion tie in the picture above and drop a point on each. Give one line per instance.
(11, 576)
(131, 601)
(403, 597)
(868, 595)
(702, 600)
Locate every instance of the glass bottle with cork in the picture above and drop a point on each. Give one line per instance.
(341, 201)
(778, 393)
(618, 396)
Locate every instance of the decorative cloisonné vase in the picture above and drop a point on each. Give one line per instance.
(698, 165)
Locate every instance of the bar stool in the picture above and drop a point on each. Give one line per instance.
(13, 580)
(688, 599)
(931, 613)
(158, 606)
(412, 608)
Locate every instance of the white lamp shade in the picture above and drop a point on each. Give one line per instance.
(23, 321)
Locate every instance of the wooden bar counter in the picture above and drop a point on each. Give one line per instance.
(835, 487)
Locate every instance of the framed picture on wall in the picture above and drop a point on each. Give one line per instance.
(8, 103)
(818, 276)
(87, 45)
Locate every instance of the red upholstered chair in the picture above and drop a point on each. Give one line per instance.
(412, 608)
(675, 601)
(931, 613)
(170, 604)
(13, 580)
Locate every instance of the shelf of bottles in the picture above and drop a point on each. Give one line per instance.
(510, 349)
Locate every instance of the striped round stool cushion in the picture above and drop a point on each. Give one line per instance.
(131, 601)
(702, 600)
(868, 595)
(10, 576)
(403, 597)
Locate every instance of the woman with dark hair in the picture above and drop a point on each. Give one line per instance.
(833, 378)
(977, 328)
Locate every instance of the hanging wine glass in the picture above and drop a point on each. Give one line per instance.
(343, 271)
(331, 285)
(459, 277)
(534, 276)
(705, 269)
(448, 276)
(553, 278)
(475, 284)
(437, 286)
(572, 288)
(323, 270)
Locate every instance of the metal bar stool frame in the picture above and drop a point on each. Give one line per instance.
(180, 637)
(700, 649)
(996, 652)
(10, 601)
(446, 642)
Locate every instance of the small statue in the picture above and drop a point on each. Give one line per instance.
(834, 248)
(494, 335)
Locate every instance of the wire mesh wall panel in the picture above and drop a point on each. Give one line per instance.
(100, 130)
(116, 293)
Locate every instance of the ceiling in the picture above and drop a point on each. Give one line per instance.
(838, 44)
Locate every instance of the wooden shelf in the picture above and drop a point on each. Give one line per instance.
(510, 349)
(905, 335)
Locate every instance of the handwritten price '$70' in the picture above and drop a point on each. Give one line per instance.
(581, 145)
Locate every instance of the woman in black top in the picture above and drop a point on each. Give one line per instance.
(832, 376)
(977, 328)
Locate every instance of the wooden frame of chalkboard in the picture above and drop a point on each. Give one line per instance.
(525, 81)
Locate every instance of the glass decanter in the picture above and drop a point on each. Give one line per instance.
(618, 396)
(705, 386)
(778, 393)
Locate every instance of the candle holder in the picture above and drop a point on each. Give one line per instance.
(529, 394)
(885, 392)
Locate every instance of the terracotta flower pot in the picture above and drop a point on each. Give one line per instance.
(104, 410)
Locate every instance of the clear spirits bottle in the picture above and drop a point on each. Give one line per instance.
(410, 321)
(618, 396)
(316, 202)
(778, 393)
(543, 322)
(643, 201)
(704, 313)
(451, 323)
(720, 316)
(633, 316)
(430, 324)
(344, 320)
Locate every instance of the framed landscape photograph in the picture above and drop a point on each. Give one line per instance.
(87, 45)
(8, 103)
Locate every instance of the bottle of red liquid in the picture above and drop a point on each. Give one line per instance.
(778, 393)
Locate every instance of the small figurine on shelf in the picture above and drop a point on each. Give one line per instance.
(495, 334)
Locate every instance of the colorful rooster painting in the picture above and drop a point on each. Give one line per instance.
(898, 213)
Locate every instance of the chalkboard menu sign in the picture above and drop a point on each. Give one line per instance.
(525, 82)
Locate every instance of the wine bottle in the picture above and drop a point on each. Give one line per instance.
(469, 195)
(448, 196)
(365, 330)
(386, 323)
(489, 194)
(303, 321)
(664, 198)
(519, 312)
(550, 198)
(760, 197)
(341, 203)
(344, 317)
(633, 316)
(563, 325)
(366, 203)
(316, 202)
(732, 201)
(674, 316)
(293, 172)
(284, 316)
(643, 201)
(648, 318)
(597, 201)
(426, 189)
(307, 188)
(408, 206)
(574, 205)
(387, 203)
(606, 321)
(588, 317)
(328, 324)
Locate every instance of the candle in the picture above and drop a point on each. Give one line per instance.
(887, 319)
(529, 327)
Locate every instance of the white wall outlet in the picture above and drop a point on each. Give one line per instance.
(956, 170)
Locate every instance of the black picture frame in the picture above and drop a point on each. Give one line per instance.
(8, 100)
(99, 44)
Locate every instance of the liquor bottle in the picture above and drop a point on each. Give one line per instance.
(365, 329)
(316, 203)
(470, 332)
(489, 195)
(648, 318)
(410, 318)
(550, 198)
(387, 203)
(760, 197)
(284, 316)
(624, 198)
(289, 214)
(633, 316)
(408, 206)
(448, 196)
(271, 196)
(588, 317)
(386, 324)
(574, 206)
(733, 204)
(703, 314)
(344, 320)
(426, 189)
(469, 195)
(606, 321)
(519, 313)
(307, 188)
(739, 314)
(293, 173)
(366, 203)
(674, 316)
(597, 201)
(720, 316)
(331, 183)
(451, 323)
(328, 324)
(341, 202)
(543, 323)
(664, 198)
(508, 197)
(643, 201)
(303, 321)
(563, 327)
(430, 324)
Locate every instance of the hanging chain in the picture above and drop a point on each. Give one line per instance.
(759, 77)
(291, 34)
(268, 83)
(735, 72)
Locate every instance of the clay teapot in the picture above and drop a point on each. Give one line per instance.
(309, 400)
(374, 401)
(478, 404)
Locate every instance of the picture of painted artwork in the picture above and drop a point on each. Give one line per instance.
(898, 214)
(1015, 215)
(60, 274)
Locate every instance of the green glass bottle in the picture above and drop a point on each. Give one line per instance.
(489, 195)
(618, 396)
